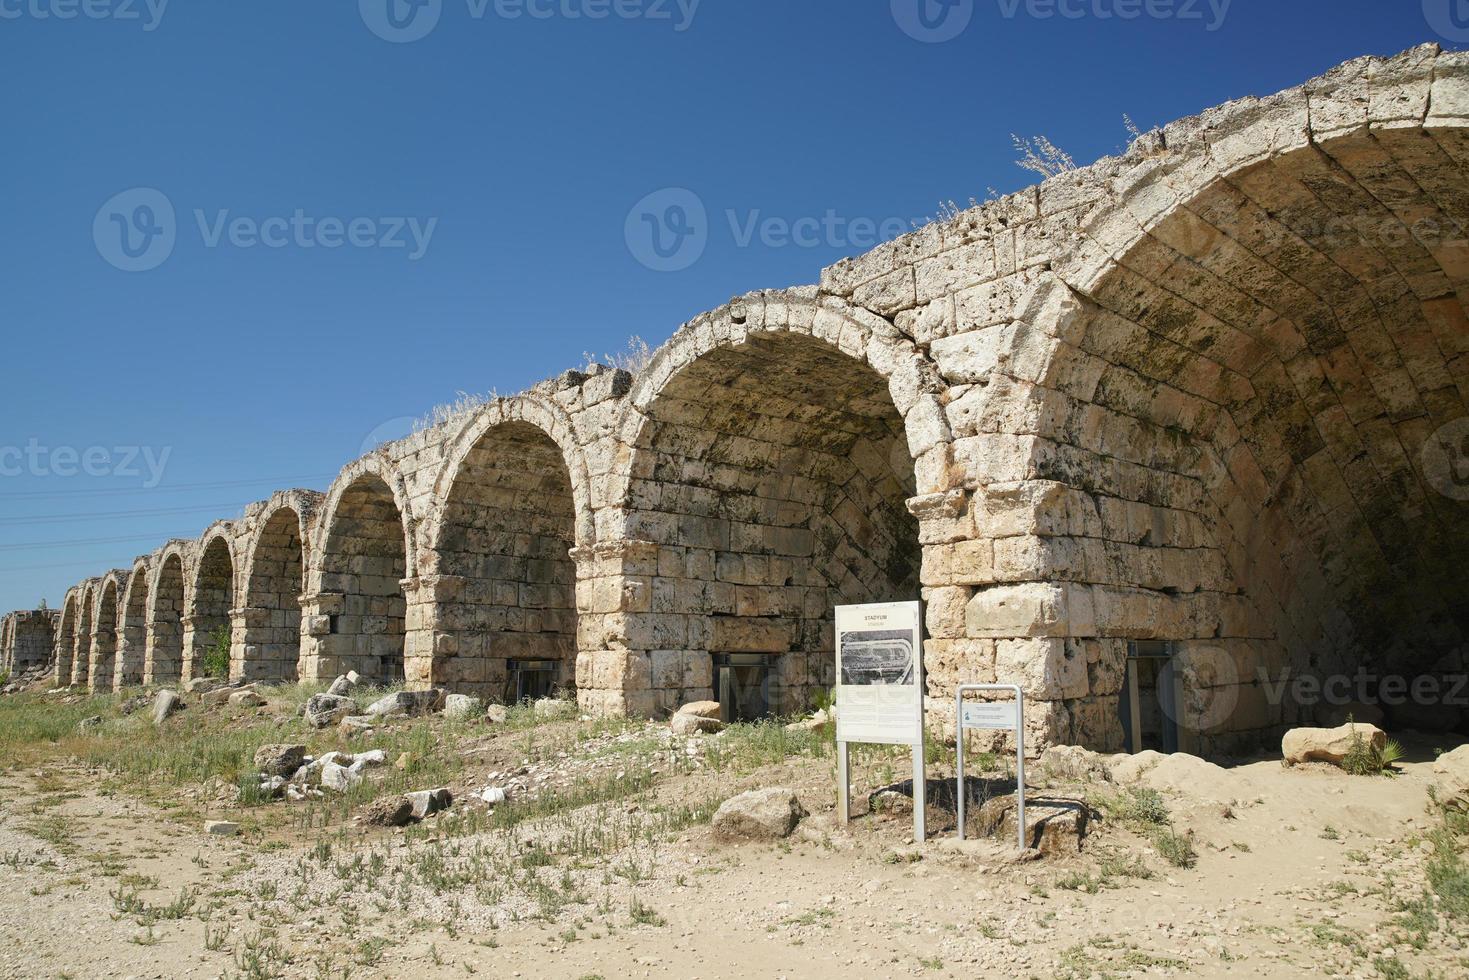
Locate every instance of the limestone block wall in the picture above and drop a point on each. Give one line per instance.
(1190, 389)
(1180, 395)
(27, 638)
(169, 571)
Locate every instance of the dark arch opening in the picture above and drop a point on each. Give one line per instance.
(364, 560)
(213, 600)
(165, 658)
(509, 525)
(132, 648)
(102, 674)
(1286, 354)
(272, 615)
(775, 477)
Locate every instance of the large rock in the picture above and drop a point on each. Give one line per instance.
(1451, 778)
(279, 760)
(407, 703)
(165, 703)
(1074, 764)
(340, 778)
(462, 707)
(1052, 826)
(760, 814)
(553, 709)
(327, 709)
(815, 723)
(427, 801)
(496, 714)
(247, 698)
(1328, 744)
(681, 724)
(218, 694)
(700, 709)
(389, 811)
(344, 684)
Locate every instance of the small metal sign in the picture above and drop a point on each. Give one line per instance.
(992, 716)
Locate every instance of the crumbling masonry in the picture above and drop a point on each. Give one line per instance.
(1186, 394)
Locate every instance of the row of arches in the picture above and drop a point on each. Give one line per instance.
(1207, 400)
(766, 479)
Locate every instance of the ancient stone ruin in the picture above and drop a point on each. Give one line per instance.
(26, 640)
(1183, 401)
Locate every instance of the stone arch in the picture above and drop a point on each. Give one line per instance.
(772, 465)
(66, 637)
(356, 609)
(164, 660)
(102, 670)
(514, 502)
(1244, 373)
(132, 641)
(82, 644)
(268, 646)
(208, 598)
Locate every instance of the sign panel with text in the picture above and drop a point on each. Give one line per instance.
(880, 689)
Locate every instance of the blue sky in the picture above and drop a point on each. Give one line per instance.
(452, 212)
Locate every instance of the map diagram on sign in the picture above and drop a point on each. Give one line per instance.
(877, 657)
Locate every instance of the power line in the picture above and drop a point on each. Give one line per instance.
(176, 488)
(111, 514)
(76, 542)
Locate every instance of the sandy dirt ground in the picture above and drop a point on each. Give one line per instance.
(1300, 872)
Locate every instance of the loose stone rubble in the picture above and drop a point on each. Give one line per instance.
(1187, 394)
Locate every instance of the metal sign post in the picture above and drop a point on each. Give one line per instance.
(993, 716)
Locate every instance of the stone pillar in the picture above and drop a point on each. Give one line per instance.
(101, 671)
(424, 648)
(321, 653)
(617, 630)
(132, 652)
